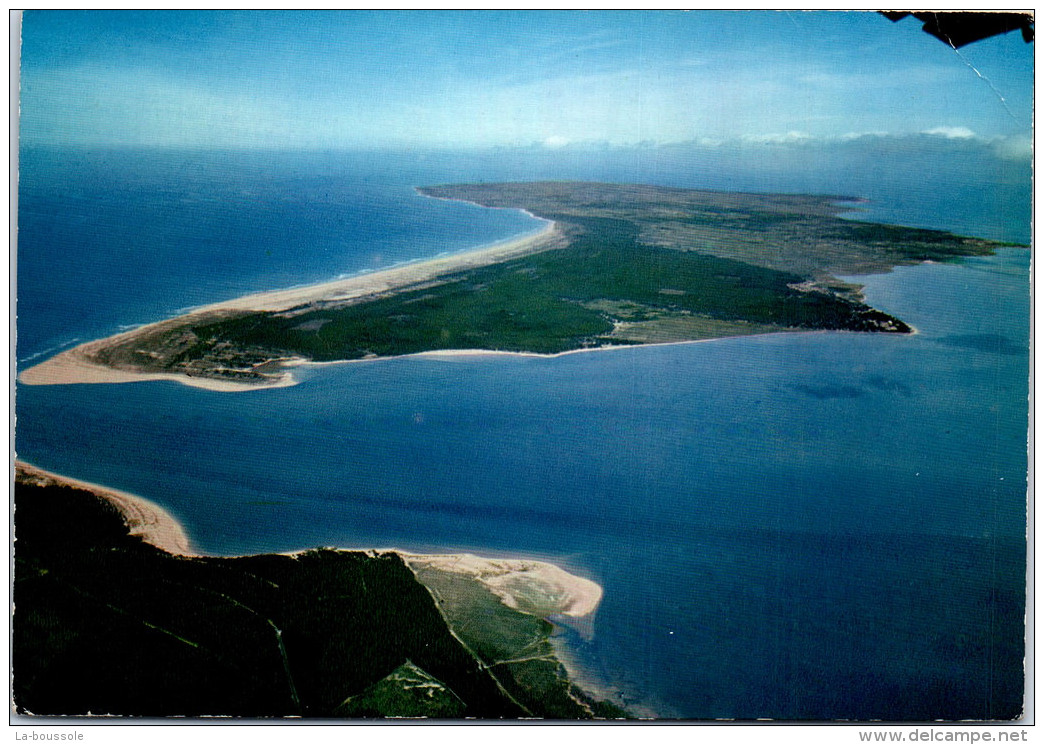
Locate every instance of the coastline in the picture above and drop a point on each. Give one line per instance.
(538, 588)
(545, 306)
(465, 615)
(77, 365)
(142, 517)
(530, 587)
(393, 278)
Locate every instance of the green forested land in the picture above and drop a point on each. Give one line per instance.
(795, 233)
(107, 624)
(514, 646)
(543, 303)
(641, 264)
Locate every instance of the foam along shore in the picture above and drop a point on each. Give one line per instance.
(395, 278)
(79, 365)
(143, 518)
(534, 587)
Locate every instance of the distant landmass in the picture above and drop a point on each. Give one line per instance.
(106, 623)
(616, 265)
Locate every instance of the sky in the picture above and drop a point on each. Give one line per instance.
(477, 79)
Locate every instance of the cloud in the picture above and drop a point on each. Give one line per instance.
(620, 106)
(777, 138)
(951, 133)
(96, 106)
(849, 136)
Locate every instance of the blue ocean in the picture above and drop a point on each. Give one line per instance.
(792, 526)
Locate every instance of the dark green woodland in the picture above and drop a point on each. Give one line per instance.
(638, 265)
(106, 624)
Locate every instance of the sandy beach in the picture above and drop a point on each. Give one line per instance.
(530, 586)
(395, 278)
(143, 518)
(536, 587)
(78, 365)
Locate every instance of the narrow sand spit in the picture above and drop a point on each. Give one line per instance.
(143, 518)
(535, 587)
(77, 365)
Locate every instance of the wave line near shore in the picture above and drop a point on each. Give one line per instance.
(80, 365)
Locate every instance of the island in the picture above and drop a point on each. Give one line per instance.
(115, 613)
(615, 265)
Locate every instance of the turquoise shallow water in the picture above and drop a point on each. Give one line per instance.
(822, 525)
